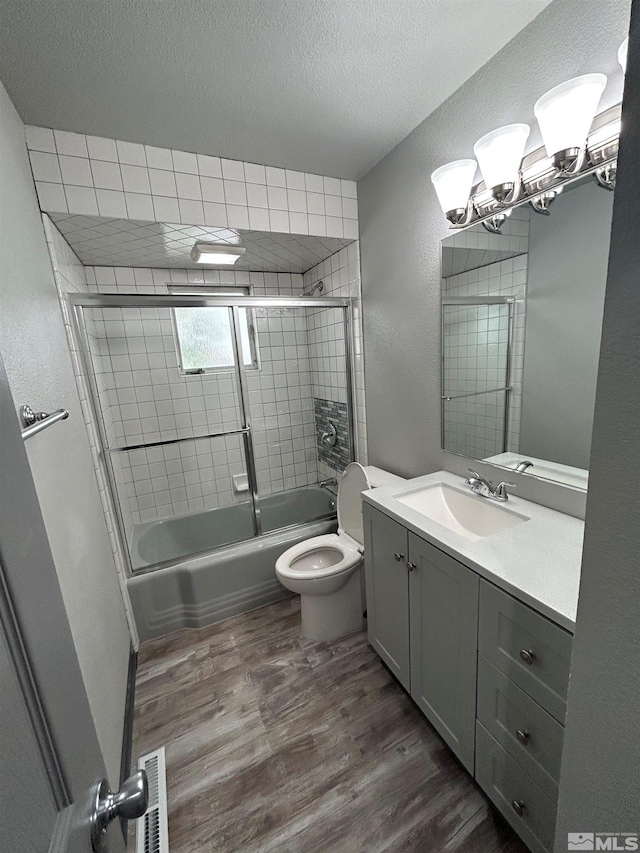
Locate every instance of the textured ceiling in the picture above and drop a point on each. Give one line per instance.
(321, 86)
(98, 241)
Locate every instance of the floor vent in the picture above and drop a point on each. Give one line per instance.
(152, 835)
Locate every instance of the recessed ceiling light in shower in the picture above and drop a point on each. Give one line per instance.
(217, 254)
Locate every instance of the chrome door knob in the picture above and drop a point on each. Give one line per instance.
(398, 556)
(411, 566)
(527, 656)
(523, 735)
(131, 801)
(518, 806)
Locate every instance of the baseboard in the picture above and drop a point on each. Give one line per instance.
(127, 731)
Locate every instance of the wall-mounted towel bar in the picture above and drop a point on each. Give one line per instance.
(34, 422)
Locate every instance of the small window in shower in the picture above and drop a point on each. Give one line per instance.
(204, 337)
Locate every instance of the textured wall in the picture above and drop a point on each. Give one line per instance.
(600, 782)
(38, 364)
(401, 224)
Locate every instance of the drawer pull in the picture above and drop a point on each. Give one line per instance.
(527, 656)
(411, 566)
(398, 556)
(518, 807)
(523, 736)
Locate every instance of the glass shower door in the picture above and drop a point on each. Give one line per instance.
(476, 339)
(175, 437)
(299, 390)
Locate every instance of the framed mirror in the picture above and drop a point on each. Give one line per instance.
(521, 325)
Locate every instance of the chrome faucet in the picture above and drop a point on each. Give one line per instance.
(484, 488)
(332, 481)
(521, 467)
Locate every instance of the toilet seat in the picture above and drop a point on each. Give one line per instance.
(298, 562)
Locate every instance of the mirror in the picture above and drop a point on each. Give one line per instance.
(521, 325)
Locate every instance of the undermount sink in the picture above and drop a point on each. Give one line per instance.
(469, 515)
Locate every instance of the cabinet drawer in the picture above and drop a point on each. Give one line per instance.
(523, 804)
(531, 650)
(523, 728)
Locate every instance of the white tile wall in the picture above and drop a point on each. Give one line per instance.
(70, 276)
(145, 399)
(93, 176)
(340, 275)
(475, 345)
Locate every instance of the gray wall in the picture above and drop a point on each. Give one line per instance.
(566, 279)
(600, 780)
(38, 364)
(401, 225)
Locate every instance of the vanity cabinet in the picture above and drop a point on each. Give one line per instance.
(422, 611)
(387, 581)
(488, 671)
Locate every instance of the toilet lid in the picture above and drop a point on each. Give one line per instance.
(354, 481)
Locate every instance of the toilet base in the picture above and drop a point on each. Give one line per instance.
(330, 617)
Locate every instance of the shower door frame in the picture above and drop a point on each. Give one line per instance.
(79, 301)
(507, 388)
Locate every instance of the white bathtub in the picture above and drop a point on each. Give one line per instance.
(230, 578)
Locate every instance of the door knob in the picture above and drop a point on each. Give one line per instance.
(397, 556)
(518, 806)
(131, 801)
(527, 656)
(523, 735)
(411, 566)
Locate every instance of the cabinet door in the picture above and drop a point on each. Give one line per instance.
(444, 642)
(387, 583)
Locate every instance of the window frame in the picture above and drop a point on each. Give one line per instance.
(222, 290)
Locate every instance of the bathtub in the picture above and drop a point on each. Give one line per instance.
(200, 589)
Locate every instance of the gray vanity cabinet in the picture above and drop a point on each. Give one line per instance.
(387, 583)
(443, 620)
(488, 671)
(422, 611)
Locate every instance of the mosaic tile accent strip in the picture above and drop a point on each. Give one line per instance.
(330, 412)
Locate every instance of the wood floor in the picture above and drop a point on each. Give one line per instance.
(278, 744)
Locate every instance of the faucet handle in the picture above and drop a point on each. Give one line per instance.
(501, 490)
(475, 476)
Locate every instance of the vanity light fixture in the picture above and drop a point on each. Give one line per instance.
(541, 202)
(499, 155)
(453, 183)
(568, 154)
(622, 55)
(217, 254)
(564, 115)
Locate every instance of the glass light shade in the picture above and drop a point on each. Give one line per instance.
(622, 55)
(453, 183)
(500, 153)
(565, 112)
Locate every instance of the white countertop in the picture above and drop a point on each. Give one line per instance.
(537, 561)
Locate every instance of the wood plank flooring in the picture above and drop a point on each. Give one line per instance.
(277, 744)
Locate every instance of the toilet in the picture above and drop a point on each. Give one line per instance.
(327, 570)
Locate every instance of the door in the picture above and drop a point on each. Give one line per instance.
(387, 583)
(444, 641)
(50, 756)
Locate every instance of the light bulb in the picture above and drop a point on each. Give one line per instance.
(453, 183)
(499, 156)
